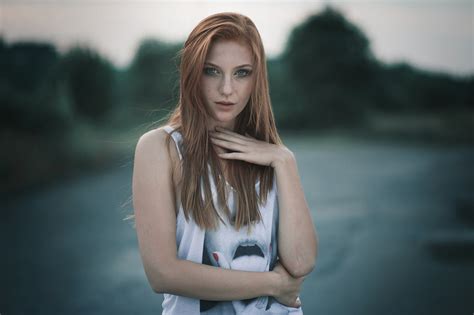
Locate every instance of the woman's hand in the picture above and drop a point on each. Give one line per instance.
(249, 149)
(289, 288)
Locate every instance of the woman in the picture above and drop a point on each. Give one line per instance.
(215, 209)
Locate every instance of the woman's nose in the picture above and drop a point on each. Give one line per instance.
(226, 86)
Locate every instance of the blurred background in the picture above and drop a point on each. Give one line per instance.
(375, 98)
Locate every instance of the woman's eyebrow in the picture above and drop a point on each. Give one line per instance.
(211, 64)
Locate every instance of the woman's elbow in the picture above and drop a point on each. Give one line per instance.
(157, 284)
(304, 266)
(158, 289)
(302, 270)
(157, 279)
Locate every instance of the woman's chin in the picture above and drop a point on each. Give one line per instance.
(226, 118)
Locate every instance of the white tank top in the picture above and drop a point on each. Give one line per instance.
(227, 248)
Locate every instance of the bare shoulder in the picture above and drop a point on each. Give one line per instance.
(158, 152)
(152, 140)
(154, 144)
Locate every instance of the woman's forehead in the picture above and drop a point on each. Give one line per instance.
(229, 54)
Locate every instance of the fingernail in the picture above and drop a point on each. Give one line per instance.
(216, 257)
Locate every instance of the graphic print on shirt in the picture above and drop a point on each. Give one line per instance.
(231, 249)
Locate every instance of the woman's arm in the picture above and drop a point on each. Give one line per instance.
(187, 278)
(297, 238)
(154, 207)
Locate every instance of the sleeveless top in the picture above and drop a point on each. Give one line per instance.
(227, 248)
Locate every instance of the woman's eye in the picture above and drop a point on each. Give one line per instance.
(209, 71)
(214, 71)
(244, 72)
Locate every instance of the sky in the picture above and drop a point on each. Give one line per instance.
(432, 35)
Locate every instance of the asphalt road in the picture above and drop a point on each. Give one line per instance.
(395, 224)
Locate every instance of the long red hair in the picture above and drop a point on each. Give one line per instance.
(190, 118)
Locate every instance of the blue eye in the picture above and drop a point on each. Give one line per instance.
(209, 70)
(244, 72)
(213, 71)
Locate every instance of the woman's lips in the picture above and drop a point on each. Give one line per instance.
(225, 103)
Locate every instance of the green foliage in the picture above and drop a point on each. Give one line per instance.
(152, 78)
(327, 47)
(328, 77)
(27, 96)
(331, 69)
(404, 89)
(89, 82)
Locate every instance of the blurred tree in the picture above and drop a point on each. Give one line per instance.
(442, 91)
(90, 82)
(152, 78)
(404, 88)
(331, 72)
(26, 73)
(395, 90)
(23, 65)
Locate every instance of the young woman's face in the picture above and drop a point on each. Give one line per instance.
(227, 77)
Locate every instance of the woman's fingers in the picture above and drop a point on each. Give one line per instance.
(228, 145)
(244, 148)
(233, 156)
(228, 137)
(231, 133)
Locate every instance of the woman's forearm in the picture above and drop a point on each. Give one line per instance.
(190, 279)
(297, 238)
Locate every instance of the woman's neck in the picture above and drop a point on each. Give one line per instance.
(227, 125)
